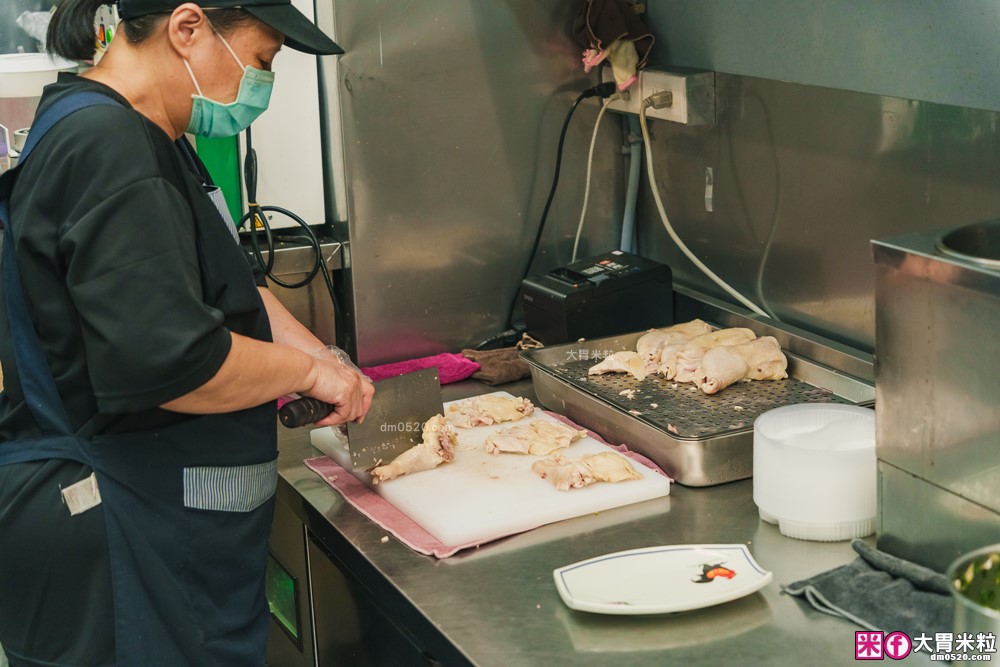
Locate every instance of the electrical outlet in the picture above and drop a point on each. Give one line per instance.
(631, 98)
(693, 95)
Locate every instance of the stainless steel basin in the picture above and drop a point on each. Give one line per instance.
(937, 424)
(978, 243)
(976, 591)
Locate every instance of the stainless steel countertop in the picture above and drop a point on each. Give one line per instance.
(498, 604)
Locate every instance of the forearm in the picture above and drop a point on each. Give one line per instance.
(285, 329)
(253, 373)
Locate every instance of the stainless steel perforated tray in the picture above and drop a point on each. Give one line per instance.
(699, 440)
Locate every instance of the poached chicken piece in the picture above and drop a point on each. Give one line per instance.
(689, 358)
(679, 353)
(651, 345)
(488, 409)
(760, 359)
(621, 362)
(539, 438)
(437, 447)
(566, 474)
(667, 365)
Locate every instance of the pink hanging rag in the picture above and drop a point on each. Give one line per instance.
(451, 367)
(405, 529)
(614, 30)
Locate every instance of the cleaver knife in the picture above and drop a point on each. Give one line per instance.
(395, 421)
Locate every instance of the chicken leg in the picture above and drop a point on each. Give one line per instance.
(437, 447)
(760, 359)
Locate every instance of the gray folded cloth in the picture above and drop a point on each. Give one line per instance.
(881, 592)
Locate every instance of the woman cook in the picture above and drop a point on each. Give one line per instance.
(141, 358)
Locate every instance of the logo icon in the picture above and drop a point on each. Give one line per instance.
(897, 645)
(868, 645)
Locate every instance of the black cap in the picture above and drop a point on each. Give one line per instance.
(300, 33)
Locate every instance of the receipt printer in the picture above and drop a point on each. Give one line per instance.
(606, 295)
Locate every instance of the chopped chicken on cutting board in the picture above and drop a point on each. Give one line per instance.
(760, 359)
(621, 362)
(539, 438)
(566, 474)
(488, 409)
(437, 447)
(610, 467)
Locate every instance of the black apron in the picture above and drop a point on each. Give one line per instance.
(188, 507)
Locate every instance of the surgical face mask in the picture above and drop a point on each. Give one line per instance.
(210, 118)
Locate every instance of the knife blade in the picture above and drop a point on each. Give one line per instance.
(395, 421)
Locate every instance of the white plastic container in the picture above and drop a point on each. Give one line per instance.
(814, 471)
(20, 138)
(25, 74)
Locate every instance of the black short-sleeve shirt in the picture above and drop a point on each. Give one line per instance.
(119, 251)
(134, 284)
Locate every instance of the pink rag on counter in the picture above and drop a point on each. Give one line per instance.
(402, 527)
(379, 510)
(451, 367)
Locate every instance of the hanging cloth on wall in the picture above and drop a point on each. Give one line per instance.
(614, 30)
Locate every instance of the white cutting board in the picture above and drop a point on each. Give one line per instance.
(480, 496)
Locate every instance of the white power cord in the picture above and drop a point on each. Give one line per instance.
(660, 100)
(590, 164)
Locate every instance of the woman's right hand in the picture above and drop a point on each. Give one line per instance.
(342, 386)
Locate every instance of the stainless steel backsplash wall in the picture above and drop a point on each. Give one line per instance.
(803, 177)
(451, 113)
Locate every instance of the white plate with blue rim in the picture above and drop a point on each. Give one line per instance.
(661, 580)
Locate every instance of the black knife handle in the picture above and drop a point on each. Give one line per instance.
(302, 412)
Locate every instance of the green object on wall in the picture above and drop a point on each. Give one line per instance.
(221, 157)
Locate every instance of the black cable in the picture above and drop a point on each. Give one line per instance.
(601, 90)
(256, 213)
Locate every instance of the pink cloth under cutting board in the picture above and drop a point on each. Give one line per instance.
(402, 527)
(451, 367)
